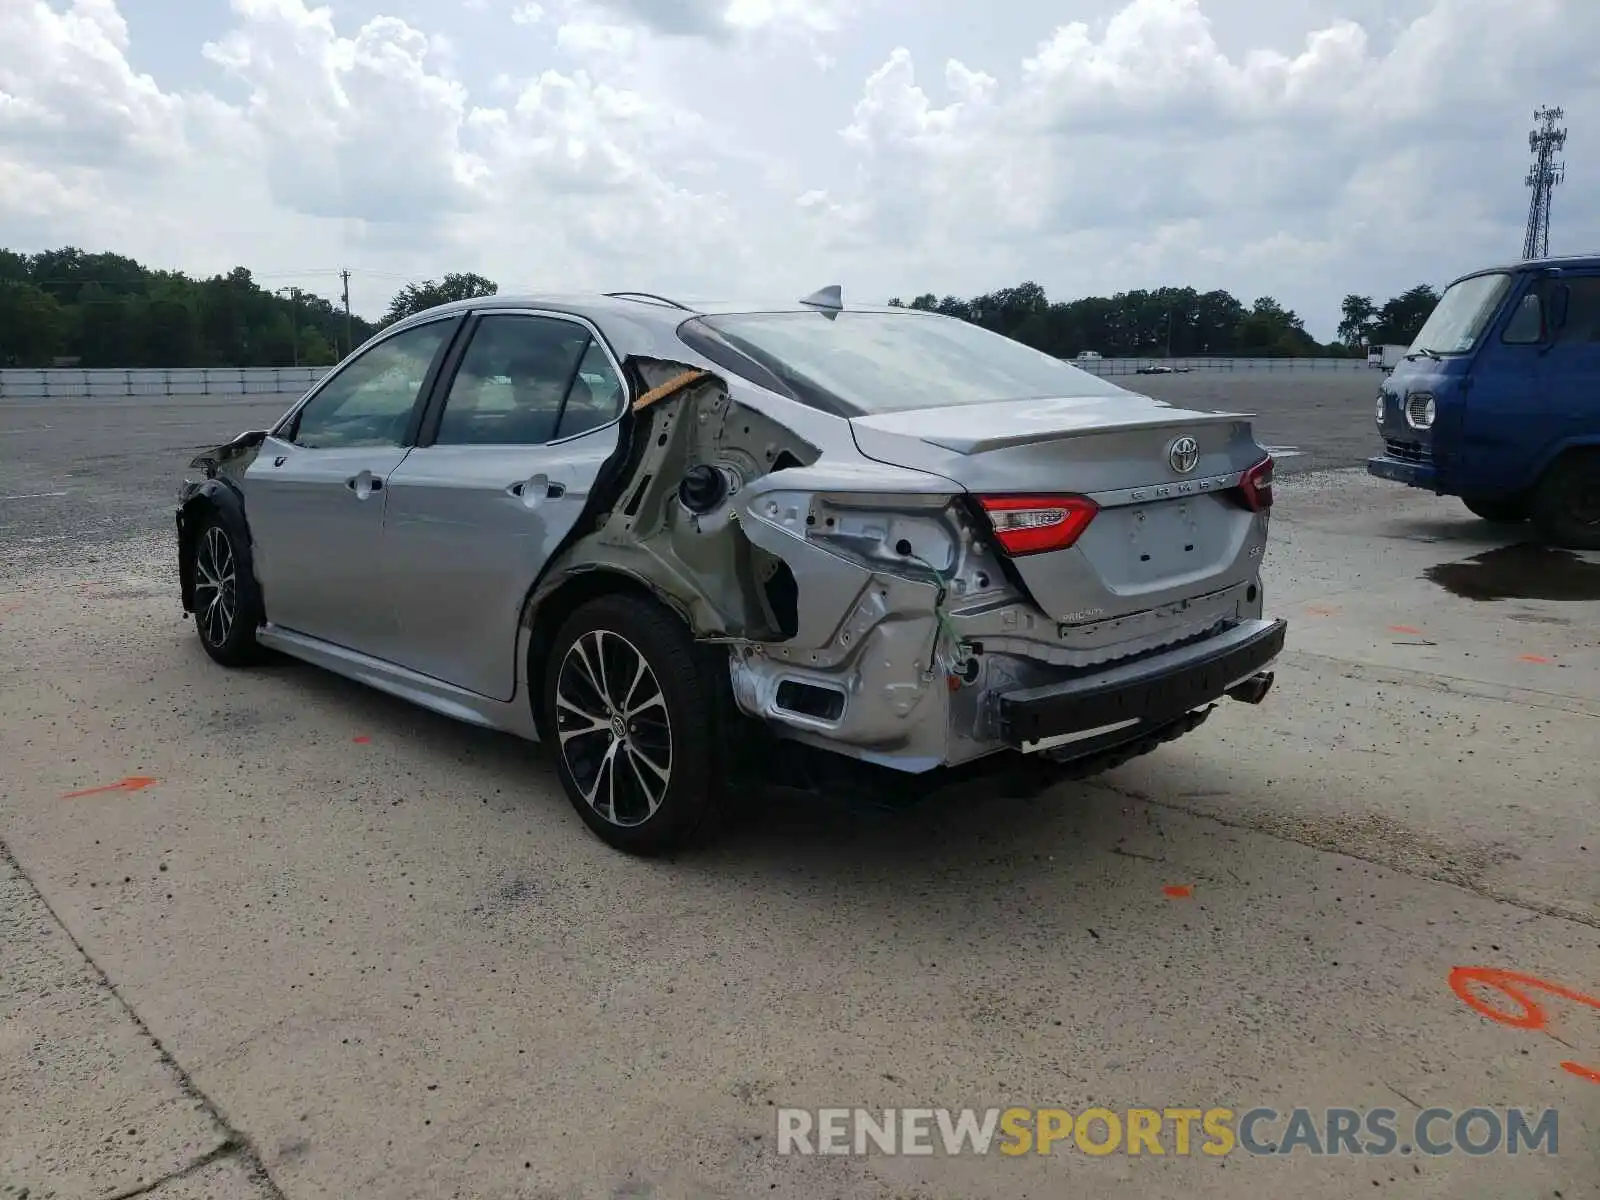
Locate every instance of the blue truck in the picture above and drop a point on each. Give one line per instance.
(1497, 400)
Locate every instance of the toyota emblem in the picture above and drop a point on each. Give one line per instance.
(1184, 455)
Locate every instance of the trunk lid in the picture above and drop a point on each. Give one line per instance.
(1159, 536)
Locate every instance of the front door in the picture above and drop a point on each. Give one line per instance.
(1505, 392)
(499, 477)
(315, 493)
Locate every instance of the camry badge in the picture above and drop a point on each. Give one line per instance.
(1184, 455)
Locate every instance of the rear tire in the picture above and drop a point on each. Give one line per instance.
(633, 711)
(1566, 507)
(227, 602)
(1497, 509)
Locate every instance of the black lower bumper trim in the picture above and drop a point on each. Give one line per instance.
(1154, 698)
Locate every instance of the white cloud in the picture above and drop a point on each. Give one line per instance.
(716, 18)
(1145, 154)
(736, 146)
(68, 95)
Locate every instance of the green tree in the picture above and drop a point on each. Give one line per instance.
(419, 297)
(1179, 321)
(1357, 316)
(33, 326)
(110, 311)
(1270, 329)
(315, 350)
(1400, 319)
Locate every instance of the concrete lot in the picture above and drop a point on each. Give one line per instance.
(326, 945)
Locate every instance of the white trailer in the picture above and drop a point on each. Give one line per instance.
(1386, 357)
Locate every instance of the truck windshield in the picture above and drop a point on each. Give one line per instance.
(873, 362)
(1462, 314)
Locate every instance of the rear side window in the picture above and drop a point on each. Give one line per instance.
(1583, 311)
(526, 380)
(596, 395)
(888, 362)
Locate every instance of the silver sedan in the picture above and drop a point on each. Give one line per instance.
(663, 537)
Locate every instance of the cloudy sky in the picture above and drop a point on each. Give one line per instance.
(730, 148)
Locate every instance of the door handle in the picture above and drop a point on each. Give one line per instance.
(364, 484)
(532, 488)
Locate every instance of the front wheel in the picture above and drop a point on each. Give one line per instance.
(227, 603)
(632, 712)
(1497, 509)
(1567, 504)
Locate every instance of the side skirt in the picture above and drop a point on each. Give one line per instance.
(513, 716)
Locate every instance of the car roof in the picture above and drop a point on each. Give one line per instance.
(1534, 264)
(636, 322)
(646, 305)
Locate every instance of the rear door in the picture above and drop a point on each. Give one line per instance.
(314, 495)
(526, 416)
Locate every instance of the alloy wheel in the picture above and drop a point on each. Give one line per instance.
(215, 586)
(613, 727)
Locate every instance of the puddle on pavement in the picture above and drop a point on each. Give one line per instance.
(1523, 572)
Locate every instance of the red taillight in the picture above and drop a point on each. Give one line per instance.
(1035, 524)
(1255, 486)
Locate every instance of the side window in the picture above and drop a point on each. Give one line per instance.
(1582, 325)
(512, 381)
(1526, 325)
(596, 396)
(369, 403)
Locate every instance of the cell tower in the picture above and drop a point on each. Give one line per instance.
(1545, 141)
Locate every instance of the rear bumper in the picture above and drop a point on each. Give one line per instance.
(1126, 701)
(1415, 474)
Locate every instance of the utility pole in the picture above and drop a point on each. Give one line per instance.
(295, 292)
(1543, 176)
(349, 335)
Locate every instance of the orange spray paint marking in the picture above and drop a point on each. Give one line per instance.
(1533, 658)
(1321, 610)
(131, 784)
(362, 740)
(1405, 629)
(1177, 891)
(1516, 986)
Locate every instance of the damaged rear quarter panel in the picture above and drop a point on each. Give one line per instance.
(864, 551)
(696, 562)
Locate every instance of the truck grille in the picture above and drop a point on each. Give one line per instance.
(1411, 452)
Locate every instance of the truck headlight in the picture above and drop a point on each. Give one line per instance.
(1382, 404)
(1421, 410)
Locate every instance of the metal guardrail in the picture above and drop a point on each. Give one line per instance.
(72, 383)
(1131, 366)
